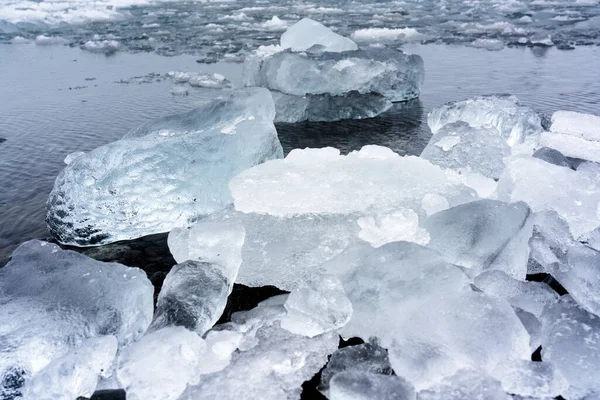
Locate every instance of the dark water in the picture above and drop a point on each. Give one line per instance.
(52, 105)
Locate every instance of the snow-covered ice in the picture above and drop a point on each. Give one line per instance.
(165, 174)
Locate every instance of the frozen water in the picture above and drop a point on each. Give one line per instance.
(161, 364)
(488, 44)
(53, 299)
(552, 156)
(466, 384)
(571, 342)
(321, 181)
(194, 79)
(423, 310)
(319, 305)
(73, 156)
(386, 35)
(365, 358)
(402, 224)
(325, 107)
(165, 174)
(76, 373)
(533, 326)
(532, 379)
(391, 73)
(359, 385)
(465, 149)
(545, 186)
(101, 46)
(571, 145)
(271, 363)
(585, 126)
(306, 33)
(514, 121)
(482, 235)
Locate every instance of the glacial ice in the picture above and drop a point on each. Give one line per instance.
(482, 235)
(528, 296)
(387, 35)
(365, 358)
(53, 299)
(546, 186)
(357, 385)
(532, 379)
(552, 156)
(425, 313)
(194, 79)
(460, 147)
(306, 33)
(574, 134)
(271, 363)
(76, 373)
(466, 384)
(165, 174)
(514, 121)
(161, 364)
(571, 343)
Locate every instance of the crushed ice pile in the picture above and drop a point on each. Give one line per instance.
(317, 75)
(470, 272)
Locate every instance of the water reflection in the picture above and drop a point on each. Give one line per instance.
(400, 128)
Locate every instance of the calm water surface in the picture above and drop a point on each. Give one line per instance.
(56, 100)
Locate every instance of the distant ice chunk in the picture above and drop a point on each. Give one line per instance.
(43, 40)
(358, 385)
(387, 35)
(545, 186)
(195, 79)
(306, 33)
(513, 121)
(466, 384)
(101, 46)
(366, 358)
(482, 235)
(460, 147)
(318, 306)
(161, 364)
(275, 24)
(76, 373)
(165, 174)
(532, 379)
(528, 296)
(54, 299)
(571, 342)
(425, 313)
(488, 44)
(321, 181)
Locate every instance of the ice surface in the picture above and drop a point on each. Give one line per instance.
(466, 384)
(585, 126)
(514, 121)
(482, 235)
(365, 358)
(319, 305)
(358, 385)
(321, 181)
(165, 174)
(571, 145)
(532, 379)
(101, 46)
(465, 149)
(528, 296)
(194, 79)
(76, 373)
(306, 33)
(271, 363)
(552, 156)
(545, 186)
(161, 364)
(402, 224)
(488, 44)
(386, 35)
(73, 156)
(571, 342)
(425, 313)
(53, 299)
(393, 74)
(325, 107)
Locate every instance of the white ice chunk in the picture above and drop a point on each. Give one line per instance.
(53, 299)
(387, 35)
(358, 385)
(73, 156)
(318, 306)
(488, 44)
(466, 384)
(165, 174)
(76, 373)
(545, 186)
(513, 121)
(401, 224)
(532, 379)
(484, 234)
(571, 342)
(465, 149)
(571, 145)
(306, 33)
(161, 364)
(528, 296)
(585, 126)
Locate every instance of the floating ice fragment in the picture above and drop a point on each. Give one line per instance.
(165, 174)
(386, 35)
(488, 44)
(306, 33)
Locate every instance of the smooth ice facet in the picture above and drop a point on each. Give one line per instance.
(306, 33)
(533, 379)
(513, 121)
(165, 174)
(464, 385)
